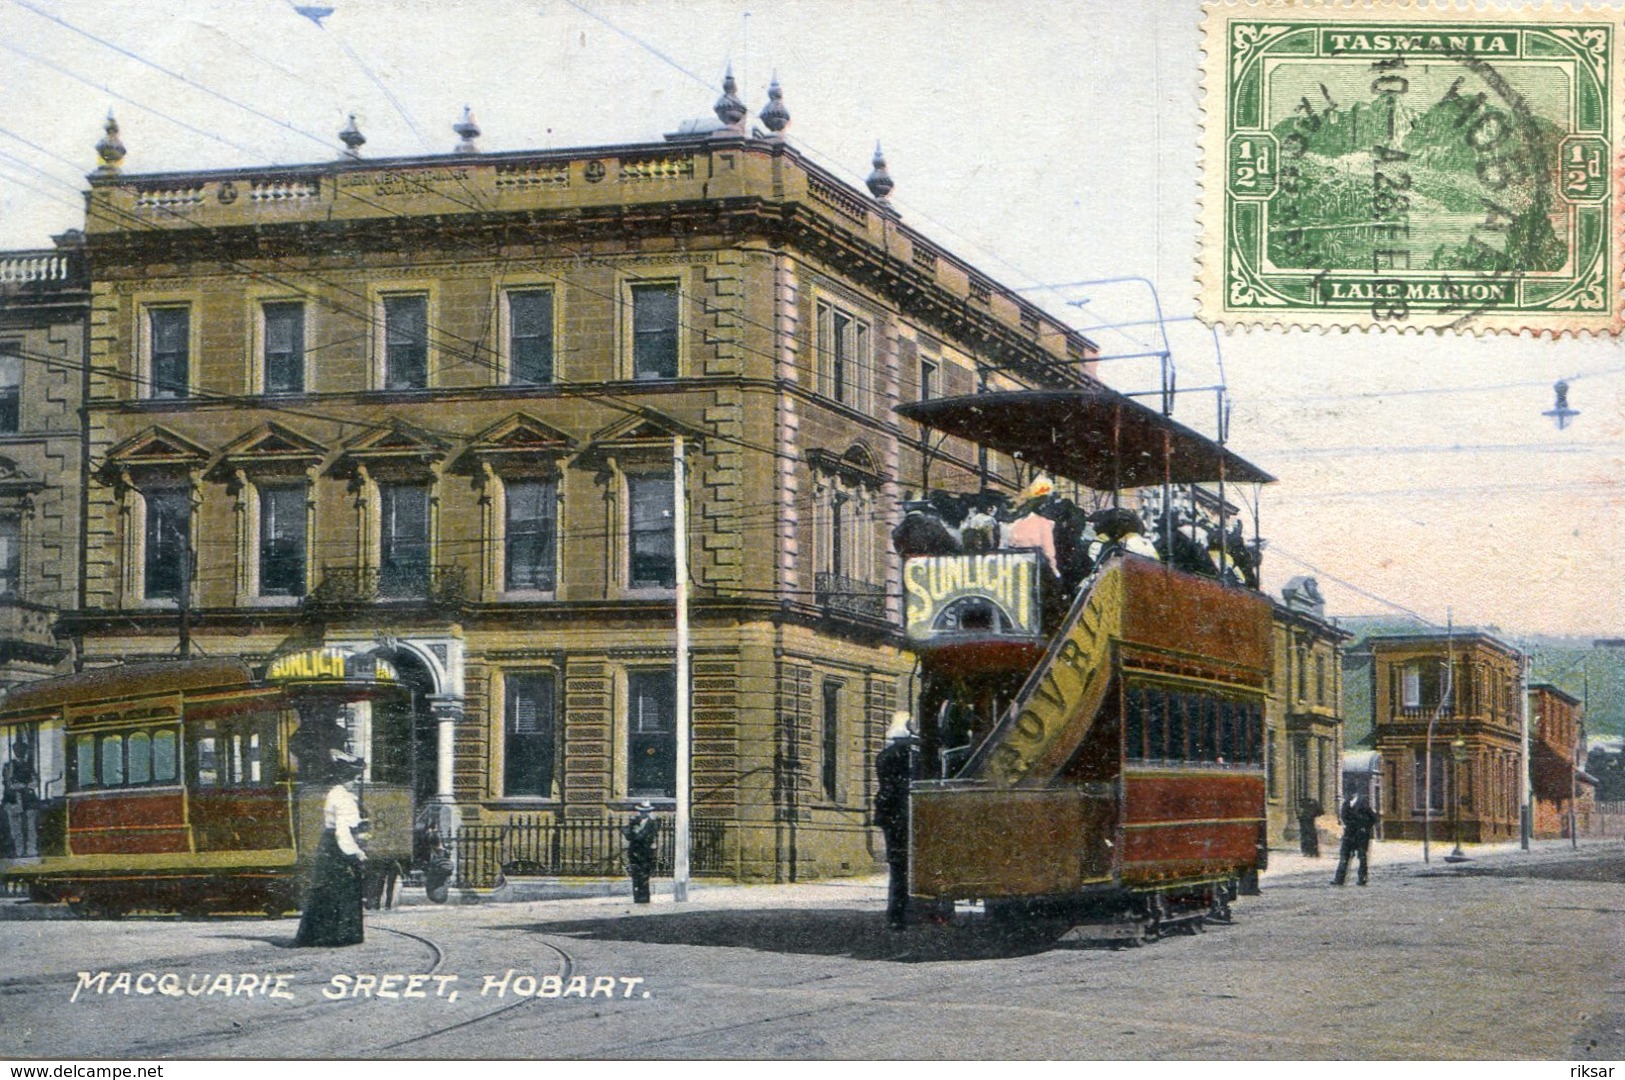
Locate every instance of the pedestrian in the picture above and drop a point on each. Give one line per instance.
(894, 770)
(332, 914)
(1309, 809)
(21, 801)
(640, 835)
(1359, 819)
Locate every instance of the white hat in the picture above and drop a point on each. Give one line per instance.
(901, 726)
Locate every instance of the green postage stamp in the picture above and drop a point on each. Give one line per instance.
(1448, 168)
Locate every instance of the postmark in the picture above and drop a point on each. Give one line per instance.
(1381, 166)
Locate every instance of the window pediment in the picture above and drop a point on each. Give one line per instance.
(856, 466)
(645, 433)
(393, 448)
(156, 454)
(520, 442)
(15, 482)
(272, 448)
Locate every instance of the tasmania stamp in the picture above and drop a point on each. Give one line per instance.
(1382, 166)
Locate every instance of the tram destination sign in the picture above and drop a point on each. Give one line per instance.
(995, 594)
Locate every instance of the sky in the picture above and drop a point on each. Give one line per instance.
(1053, 144)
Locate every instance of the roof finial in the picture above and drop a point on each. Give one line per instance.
(774, 115)
(468, 131)
(352, 139)
(880, 181)
(729, 109)
(109, 148)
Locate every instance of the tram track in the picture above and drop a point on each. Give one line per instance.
(565, 971)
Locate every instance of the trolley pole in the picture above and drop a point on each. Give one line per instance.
(679, 524)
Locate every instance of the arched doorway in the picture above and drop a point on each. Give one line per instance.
(404, 739)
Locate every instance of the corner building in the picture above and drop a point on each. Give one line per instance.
(429, 406)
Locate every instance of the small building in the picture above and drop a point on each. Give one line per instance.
(1303, 717)
(1447, 724)
(1563, 792)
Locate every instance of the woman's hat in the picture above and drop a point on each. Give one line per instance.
(348, 763)
(644, 807)
(901, 726)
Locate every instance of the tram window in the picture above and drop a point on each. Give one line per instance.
(112, 760)
(1208, 728)
(1134, 725)
(208, 770)
(1230, 747)
(139, 752)
(85, 761)
(163, 757)
(1156, 725)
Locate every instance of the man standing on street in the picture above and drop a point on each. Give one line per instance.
(640, 835)
(1308, 830)
(1359, 819)
(894, 769)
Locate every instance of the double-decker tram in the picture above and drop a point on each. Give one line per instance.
(1090, 709)
(198, 786)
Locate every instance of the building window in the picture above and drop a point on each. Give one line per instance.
(403, 540)
(530, 336)
(1437, 795)
(928, 379)
(843, 356)
(1410, 679)
(651, 541)
(829, 774)
(11, 388)
(284, 348)
(170, 334)
(11, 554)
(654, 331)
(168, 543)
(531, 534)
(282, 540)
(652, 734)
(529, 748)
(1320, 679)
(406, 342)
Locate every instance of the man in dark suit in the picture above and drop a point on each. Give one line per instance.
(640, 835)
(1359, 820)
(894, 769)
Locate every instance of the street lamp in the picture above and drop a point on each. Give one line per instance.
(1458, 754)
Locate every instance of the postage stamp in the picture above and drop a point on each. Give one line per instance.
(1384, 166)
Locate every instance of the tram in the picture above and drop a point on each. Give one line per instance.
(198, 786)
(1088, 749)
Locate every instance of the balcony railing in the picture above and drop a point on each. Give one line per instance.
(354, 586)
(849, 596)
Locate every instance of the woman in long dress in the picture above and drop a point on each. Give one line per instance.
(332, 914)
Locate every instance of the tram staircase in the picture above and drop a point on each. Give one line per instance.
(1051, 715)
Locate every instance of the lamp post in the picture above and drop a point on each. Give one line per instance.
(1458, 754)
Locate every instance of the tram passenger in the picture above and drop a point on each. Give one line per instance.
(21, 801)
(332, 913)
(1119, 531)
(923, 532)
(640, 835)
(894, 769)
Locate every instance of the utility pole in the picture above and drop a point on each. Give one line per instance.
(183, 596)
(679, 524)
(1525, 821)
(1427, 752)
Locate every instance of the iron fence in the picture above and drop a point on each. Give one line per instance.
(546, 847)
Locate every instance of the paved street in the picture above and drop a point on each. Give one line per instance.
(1511, 955)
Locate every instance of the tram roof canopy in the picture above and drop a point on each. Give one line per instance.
(126, 680)
(1093, 435)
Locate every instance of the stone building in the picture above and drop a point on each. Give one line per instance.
(1465, 685)
(429, 406)
(43, 303)
(1303, 714)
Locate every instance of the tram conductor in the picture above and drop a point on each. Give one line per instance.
(894, 769)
